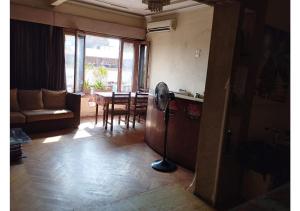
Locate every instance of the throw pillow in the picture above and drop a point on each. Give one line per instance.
(14, 105)
(54, 99)
(30, 99)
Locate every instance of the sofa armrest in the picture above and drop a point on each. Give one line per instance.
(73, 103)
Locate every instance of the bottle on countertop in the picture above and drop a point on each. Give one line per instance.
(197, 95)
(185, 92)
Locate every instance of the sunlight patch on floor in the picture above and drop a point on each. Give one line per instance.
(81, 134)
(52, 139)
(85, 125)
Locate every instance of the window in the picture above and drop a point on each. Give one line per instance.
(74, 62)
(79, 79)
(143, 64)
(70, 61)
(127, 67)
(103, 64)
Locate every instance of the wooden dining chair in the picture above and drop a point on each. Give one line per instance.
(139, 107)
(144, 90)
(120, 105)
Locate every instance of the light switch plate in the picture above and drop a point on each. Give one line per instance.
(197, 53)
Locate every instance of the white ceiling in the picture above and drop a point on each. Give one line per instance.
(136, 6)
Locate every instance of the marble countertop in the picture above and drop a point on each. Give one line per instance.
(177, 95)
(188, 97)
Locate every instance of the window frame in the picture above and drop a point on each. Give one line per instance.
(136, 44)
(68, 32)
(135, 63)
(145, 65)
(82, 34)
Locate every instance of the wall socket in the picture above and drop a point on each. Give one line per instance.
(197, 53)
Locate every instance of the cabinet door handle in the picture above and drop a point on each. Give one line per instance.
(228, 135)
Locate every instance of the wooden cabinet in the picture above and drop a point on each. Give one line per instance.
(184, 125)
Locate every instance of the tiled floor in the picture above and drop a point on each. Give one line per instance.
(88, 167)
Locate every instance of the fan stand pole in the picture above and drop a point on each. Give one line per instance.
(164, 165)
(166, 118)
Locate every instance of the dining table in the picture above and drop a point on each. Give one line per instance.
(104, 99)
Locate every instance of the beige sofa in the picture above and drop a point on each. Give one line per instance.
(42, 110)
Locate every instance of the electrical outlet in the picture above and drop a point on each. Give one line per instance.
(197, 53)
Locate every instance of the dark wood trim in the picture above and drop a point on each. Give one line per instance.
(147, 66)
(96, 116)
(145, 63)
(135, 76)
(144, 42)
(73, 31)
(69, 31)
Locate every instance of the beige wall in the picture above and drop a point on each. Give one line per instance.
(172, 55)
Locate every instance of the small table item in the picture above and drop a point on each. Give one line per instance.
(17, 138)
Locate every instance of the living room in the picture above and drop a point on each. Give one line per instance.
(69, 60)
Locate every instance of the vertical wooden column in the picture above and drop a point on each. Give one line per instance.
(146, 84)
(230, 83)
(136, 67)
(223, 38)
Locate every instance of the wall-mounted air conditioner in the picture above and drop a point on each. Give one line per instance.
(161, 26)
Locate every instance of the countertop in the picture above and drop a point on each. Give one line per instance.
(188, 98)
(177, 95)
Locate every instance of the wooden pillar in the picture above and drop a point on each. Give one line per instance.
(136, 67)
(231, 72)
(223, 38)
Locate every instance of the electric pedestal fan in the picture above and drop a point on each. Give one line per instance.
(162, 99)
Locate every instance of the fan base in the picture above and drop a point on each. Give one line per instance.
(164, 166)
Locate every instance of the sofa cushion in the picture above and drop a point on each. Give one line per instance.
(54, 99)
(47, 114)
(17, 117)
(14, 105)
(30, 99)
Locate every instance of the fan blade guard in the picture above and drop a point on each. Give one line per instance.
(161, 96)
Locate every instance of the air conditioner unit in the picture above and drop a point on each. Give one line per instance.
(161, 26)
